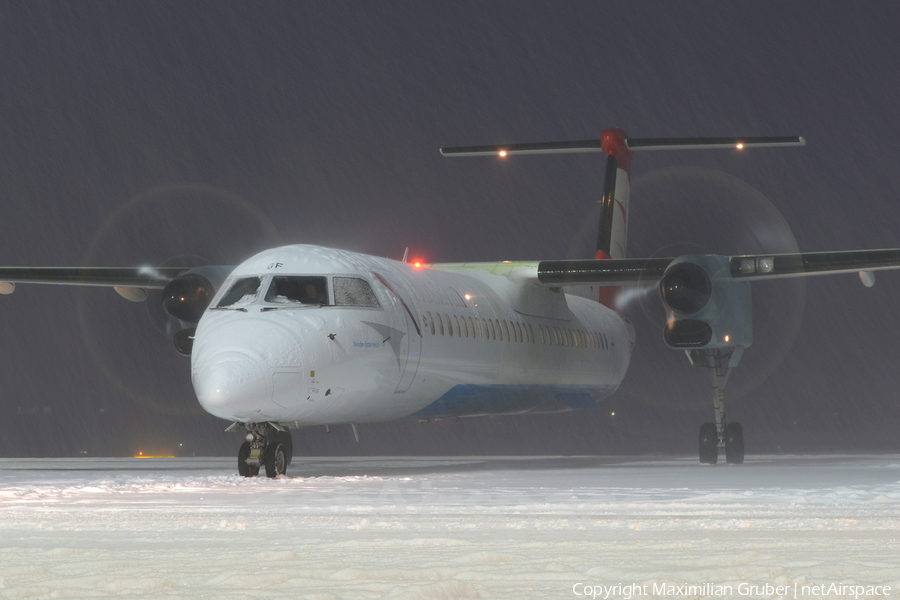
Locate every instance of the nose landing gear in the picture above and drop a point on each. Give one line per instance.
(267, 445)
(276, 460)
(247, 466)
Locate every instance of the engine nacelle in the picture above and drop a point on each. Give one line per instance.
(189, 294)
(186, 298)
(705, 307)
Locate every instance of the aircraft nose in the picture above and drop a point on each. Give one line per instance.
(231, 385)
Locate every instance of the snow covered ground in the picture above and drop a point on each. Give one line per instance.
(534, 527)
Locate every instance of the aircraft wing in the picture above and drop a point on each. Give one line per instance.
(749, 267)
(141, 277)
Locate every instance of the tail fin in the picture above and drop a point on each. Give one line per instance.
(612, 232)
(613, 228)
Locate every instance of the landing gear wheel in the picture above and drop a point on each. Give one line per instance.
(709, 444)
(284, 437)
(276, 460)
(734, 444)
(245, 470)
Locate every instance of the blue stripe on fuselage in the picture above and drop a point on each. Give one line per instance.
(468, 400)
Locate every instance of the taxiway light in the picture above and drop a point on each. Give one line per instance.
(727, 338)
(502, 154)
(468, 297)
(740, 146)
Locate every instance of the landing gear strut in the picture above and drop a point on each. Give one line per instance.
(730, 436)
(267, 445)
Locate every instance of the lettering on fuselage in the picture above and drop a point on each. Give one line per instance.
(366, 344)
(275, 265)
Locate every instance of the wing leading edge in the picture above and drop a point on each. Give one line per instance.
(750, 267)
(140, 277)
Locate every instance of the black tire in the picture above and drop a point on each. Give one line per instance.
(734, 444)
(245, 470)
(709, 444)
(284, 438)
(276, 460)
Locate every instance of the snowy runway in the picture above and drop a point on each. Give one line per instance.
(535, 527)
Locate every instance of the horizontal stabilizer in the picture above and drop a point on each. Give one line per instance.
(535, 148)
(633, 144)
(709, 143)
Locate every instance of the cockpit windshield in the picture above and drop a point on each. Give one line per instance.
(294, 289)
(353, 291)
(286, 291)
(242, 292)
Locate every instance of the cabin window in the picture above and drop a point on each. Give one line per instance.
(505, 331)
(493, 331)
(471, 327)
(481, 328)
(450, 326)
(353, 291)
(430, 322)
(440, 323)
(464, 332)
(242, 291)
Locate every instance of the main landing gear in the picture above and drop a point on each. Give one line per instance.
(267, 446)
(730, 436)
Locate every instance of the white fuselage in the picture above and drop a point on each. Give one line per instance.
(416, 342)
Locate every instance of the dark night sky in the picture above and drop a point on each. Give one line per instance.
(139, 133)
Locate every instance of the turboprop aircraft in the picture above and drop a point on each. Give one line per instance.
(305, 335)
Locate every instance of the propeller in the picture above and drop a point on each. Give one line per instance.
(719, 214)
(215, 226)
